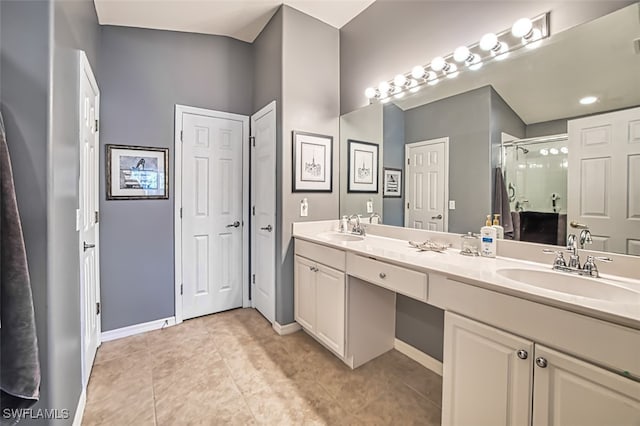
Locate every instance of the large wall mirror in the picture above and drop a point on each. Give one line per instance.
(514, 138)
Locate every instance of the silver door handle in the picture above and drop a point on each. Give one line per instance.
(437, 217)
(268, 228)
(87, 246)
(234, 224)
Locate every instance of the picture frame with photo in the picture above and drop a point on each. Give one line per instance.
(362, 166)
(392, 183)
(137, 172)
(312, 162)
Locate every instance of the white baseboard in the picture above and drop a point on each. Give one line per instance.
(287, 328)
(119, 333)
(418, 356)
(82, 402)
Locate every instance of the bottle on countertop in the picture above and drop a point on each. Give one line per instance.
(344, 224)
(496, 224)
(488, 239)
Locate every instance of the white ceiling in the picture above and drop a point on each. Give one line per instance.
(240, 19)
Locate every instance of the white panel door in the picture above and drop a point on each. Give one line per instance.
(304, 290)
(88, 216)
(211, 214)
(426, 185)
(604, 179)
(570, 392)
(330, 300)
(263, 219)
(486, 379)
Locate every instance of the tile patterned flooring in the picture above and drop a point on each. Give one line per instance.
(232, 368)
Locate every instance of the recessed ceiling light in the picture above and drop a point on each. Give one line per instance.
(544, 151)
(588, 100)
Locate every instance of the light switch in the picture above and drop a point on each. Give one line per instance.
(370, 206)
(304, 208)
(452, 204)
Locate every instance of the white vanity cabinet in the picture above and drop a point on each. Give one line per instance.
(492, 377)
(319, 294)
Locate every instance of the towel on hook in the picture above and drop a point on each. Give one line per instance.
(19, 365)
(501, 203)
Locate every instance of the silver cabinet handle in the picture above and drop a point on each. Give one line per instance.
(234, 224)
(383, 275)
(267, 228)
(313, 269)
(522, 354)
(86, 246)
(437, 217)
(541, 362)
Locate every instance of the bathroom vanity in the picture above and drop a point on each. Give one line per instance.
(523, 344)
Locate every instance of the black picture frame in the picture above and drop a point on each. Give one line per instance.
(355, 173)
(386, 185)
(316, 176)
(137, 190)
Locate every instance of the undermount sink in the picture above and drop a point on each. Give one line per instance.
(340, 237)
(592, 288)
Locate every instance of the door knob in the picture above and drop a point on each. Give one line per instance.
(267, 228)
(86, 246)
(437, 217)
(234, 224)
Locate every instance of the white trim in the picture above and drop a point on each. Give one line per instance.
(445, 140)
(131, 330)
(283, 330)
(418, 356)
(82, 403)
(177, 229)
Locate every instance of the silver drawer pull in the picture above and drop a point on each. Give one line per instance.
(383, 275)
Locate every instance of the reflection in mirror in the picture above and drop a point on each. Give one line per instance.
(518, 115)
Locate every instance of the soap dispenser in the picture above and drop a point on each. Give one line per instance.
(496, 225)
(488, 237)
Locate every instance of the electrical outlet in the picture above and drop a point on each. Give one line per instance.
(304, 208)
(452, 204)
(370, 206)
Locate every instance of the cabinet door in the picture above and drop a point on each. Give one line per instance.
(330, 296)
(486, 380)
(569, 392)
(305, 293)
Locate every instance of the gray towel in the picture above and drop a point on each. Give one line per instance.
(19, 365)
(501, 203)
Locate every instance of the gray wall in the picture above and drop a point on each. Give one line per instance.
(393, 141)
(39, 104)
(143, 74)
(503, 119)
(24, 61)
(465, 119)
(310, 103)
(546, 128)
(392, 36)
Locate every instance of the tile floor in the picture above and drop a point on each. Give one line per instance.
(232, 368)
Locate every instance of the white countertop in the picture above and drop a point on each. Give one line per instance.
(482, 272)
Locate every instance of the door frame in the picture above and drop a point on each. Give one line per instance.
(177, 204)
(407, 148)
(276, 228)
(84, 67)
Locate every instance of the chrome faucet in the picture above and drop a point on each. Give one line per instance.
(589, 268)
(585, 238)
(572, 246)
(357, 228)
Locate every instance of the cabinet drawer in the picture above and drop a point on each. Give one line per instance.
(401, 280)
(321, 254)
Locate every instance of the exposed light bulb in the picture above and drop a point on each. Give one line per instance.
(438, 63)
(417, 72)
(452, 71)
(588, 100)
(432, 78)
(413, 86)
(475, 64)
(488, 41)
(564, 150)
(399, 80)
(502, 53)
(461, 54)
(534, 41)
(544, 151)
(522, 27)
(384, 87)
(554, 151)
(370, 92)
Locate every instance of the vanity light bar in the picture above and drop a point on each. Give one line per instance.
(525, 32)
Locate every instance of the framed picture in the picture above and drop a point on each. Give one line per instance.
(392, 183)
(312, 162)
(362, 166)
(137, 173)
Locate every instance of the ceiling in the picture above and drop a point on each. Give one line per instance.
(240, 19)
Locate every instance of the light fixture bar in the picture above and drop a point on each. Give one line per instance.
(525, 32)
